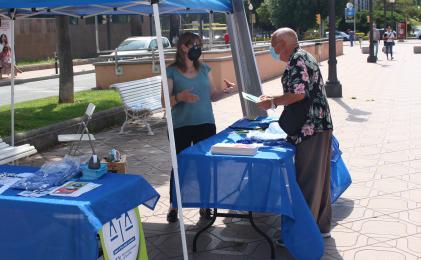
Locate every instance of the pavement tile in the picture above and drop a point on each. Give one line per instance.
(411, 216)
(380, 251)
(383, 228)
(344, 238)
(392, 170)
(410, 244)
(344, 211)
(389, 203)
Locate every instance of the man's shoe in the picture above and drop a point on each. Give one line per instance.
(205, 213)
(326, 235)
(172, 216)
(279, 242)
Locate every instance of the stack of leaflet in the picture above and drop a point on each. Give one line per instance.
(234, 149)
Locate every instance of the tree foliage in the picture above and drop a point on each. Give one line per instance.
(297, 14)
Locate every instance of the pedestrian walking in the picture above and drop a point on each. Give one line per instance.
(376, 39)
(351, 37)
(389, 41)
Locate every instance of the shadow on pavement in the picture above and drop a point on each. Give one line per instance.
(354, 114)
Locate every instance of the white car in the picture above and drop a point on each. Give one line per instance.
(418, 34)
(139, 45)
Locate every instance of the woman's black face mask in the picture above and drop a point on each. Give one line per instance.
(194, 52)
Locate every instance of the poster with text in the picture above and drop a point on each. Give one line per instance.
(122, 238)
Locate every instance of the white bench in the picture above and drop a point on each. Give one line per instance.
(12, 153)
(141, 98)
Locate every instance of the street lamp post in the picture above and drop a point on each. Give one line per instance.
(392, 2)
(333, 86)
(371, 58)
(251, 20)
(384, 13)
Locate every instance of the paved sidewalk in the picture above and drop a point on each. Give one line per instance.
(37, 75)
(378, 124)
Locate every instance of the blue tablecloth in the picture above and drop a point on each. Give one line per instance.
(262, 183)
(65, 228)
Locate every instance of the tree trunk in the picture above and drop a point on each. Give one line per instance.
(66, 86)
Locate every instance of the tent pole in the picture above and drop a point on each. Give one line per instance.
(210, 30)
(12, 82)
(170, 126)
(96, 34)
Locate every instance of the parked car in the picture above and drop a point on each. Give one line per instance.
(139, 45)
(340, 35)
(417, 33)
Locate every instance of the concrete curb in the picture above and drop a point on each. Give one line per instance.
(21, 81)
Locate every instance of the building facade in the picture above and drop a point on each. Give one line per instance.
(36, 38)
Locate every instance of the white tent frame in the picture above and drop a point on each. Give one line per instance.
(108, 10)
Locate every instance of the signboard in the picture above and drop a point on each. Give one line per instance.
(122, 238)
(5, 32)
(349, 13)
(402, 30)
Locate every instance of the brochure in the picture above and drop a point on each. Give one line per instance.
(250, 97)
(74, 189)
(35, 193)
(6, 182)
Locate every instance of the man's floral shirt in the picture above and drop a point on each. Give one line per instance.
(302, 76)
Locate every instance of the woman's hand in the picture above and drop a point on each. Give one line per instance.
(265, 102)
(187, 96)
(229, 87)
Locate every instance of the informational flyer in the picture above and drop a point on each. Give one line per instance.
(122, 238)
(74, 189)
(250, 97)
(5, 33)
(6, 29)
(7, 182)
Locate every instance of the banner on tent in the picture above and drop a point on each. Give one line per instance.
(5, 33)
(122, 238)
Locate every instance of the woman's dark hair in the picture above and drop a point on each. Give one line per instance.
(187, 39)
(1, 39)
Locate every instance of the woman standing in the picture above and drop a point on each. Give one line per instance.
(192, 90)
(389, 41)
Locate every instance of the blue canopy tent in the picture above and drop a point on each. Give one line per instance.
(245, 65)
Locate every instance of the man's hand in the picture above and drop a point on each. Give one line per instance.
(265, 102)
(187, 96)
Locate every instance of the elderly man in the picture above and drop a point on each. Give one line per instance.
(302, 81)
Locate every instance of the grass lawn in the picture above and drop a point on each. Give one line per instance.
(35, 62)
(46, 111)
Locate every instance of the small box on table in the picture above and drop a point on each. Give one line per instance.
(118, 167)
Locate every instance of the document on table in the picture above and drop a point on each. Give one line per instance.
(250, 97)
(6, 183)
(74, 189)
(35, 193)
